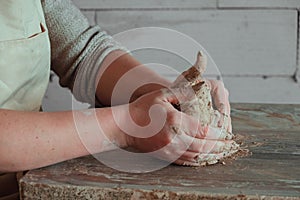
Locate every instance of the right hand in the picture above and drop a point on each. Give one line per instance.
(181, 138)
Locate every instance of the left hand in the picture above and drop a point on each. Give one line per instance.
(220, 99)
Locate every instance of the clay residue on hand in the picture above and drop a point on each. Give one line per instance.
(201, 107)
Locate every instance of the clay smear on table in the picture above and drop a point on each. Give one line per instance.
(200, 105)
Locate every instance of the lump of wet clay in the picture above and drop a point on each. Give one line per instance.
(200, 105)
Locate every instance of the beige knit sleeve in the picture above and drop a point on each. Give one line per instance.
(77, 49)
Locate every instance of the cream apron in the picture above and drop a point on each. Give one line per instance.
(24, 61)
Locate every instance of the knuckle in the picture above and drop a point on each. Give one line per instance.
(167, 139)
(172, 117)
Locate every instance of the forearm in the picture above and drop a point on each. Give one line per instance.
(30, 139)
(119, 64)
(82, 53)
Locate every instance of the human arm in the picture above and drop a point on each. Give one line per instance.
(89, 61)
(30, 140)
(79, 56)
(120, 65)
(82, 54)
(34, 139)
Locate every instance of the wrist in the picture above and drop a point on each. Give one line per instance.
(126, 117)
(109, 122)
(122, 114)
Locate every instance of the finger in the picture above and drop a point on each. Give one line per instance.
(215, 133)
(203, 158)
(182, 123)
(176, 151)
(204, 145)
(222, 105)
(219, 120)
(229, 129)
(228, 107)
(190, 156)
(193, 128)
(220, 96)
(227, 123)
(186, 163)
(221, 101)
(224, 119)
(209, 159)
(206, 157)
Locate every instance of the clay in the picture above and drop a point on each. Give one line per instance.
(200, 105)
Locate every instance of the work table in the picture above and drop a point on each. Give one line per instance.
(271, 132)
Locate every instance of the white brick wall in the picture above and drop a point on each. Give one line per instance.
(255, 43)
(292, 4)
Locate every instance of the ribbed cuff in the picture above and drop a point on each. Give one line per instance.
(84, 88)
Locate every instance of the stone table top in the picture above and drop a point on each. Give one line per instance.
(272, 133)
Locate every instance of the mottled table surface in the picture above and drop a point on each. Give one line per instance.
(272, 133)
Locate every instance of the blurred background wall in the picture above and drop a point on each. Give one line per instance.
(255, 43)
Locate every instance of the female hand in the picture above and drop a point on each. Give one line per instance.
(220, 100)
(170, 134)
